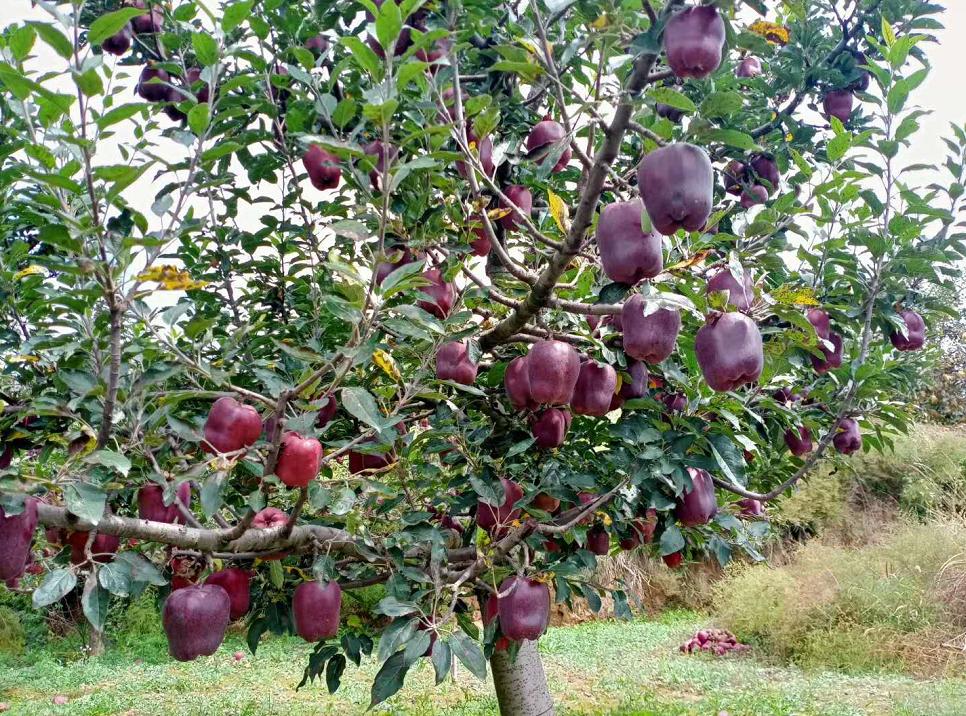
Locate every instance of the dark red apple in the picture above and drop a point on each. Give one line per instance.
(668, 112)
(735, 175)
(753, 196)
(765, 169)
(847, 438)
(543, 138)
(628, 253)
(729, 351)
(524, 608)
(516, 382)
(799, 441)
(237, 583)
(481, 245)
(453, 363)
(694, 40)
(748, 507)
(151, 503)
(495, 519)
(838, 103)
(323, 168)
(185, 572)
(675, 402)
(915, 335)
(833, 355)
(6, 456)
(299, 460)
(316, 609)
(673, 560)
(740, 295)
(595, 388)
(362, 462)
(397, 256)
(192, 78)
(552, 368)
(153, 84)
(863, 77)
(584, 499)
(820, 322)
(636, 387)
(598, 541)
(484, 150)
(545, 502)
(231, 426)
(103, 548)
(677, 185)
(698, 505)
(650, 337)
(327, 410)
(16, 535)
(441, 295)
(385, 155)
(120, 43)
(522, 199)
(149, 22)
(195, 619)
(317, 44)
(748, 67)
(550, 427)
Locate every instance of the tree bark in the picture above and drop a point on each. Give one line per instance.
(521, 685)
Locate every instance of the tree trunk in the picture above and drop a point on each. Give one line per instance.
(521, 685)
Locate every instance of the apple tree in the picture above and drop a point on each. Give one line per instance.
(452, 297)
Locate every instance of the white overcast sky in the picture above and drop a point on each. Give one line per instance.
(942, 92)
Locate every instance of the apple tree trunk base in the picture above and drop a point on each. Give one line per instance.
(521, 685)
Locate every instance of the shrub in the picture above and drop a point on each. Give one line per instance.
(12, 636)
(880, 606)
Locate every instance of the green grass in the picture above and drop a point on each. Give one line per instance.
(597, 668)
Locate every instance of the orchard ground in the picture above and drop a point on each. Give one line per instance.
(593, 668)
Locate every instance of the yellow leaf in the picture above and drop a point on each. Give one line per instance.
(600, 23)
(386, 363)
(171, 278)
(689, 262)
(774, 33)
(559, 211)
(495, 214)
(792, 295)
(31, 270)
(23, 359)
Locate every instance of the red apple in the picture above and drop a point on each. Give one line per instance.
(327, 410)
(729, 351)
(694, 40)
(838, 103)
(847, 438)
(524, 608)
(550, 427)
(397, 256)
(151, 503)
(148, 23)
(627, 253)
(120, 42)
(649, 337)
(231, 426)
(316, 610)
(915, 335)
(516, 381)
(598, 541)
(595, 388)
(833, 355)
(740, 295)
(495, 519)
(547, 503)
(237, 583)
(453, 363)
(764, 167)
(441, 295)
(748, 67)
(385, 155)
(734, 175)
(753, 196)
(673, 560)
(698, 505)
(820, 322)
(749, 507)
(677, 185)
(323, 168)
(317, 44)
(521, 198)
(544, 138)
(799, 441)
(152, 84)
(552, 368)
(103, 548)
(635, 387)
(16, 535)
(269, 518)
(299, 460)
(195, 620)
(193, 78)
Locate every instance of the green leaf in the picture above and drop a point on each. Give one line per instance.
(89, 83)
(731, 137)
(199, 117)
(109, 458)
(235, 14)
(838, 146)
(360, 404)
(205, 47)
(388, 25)
(442, 657)
(672, 98)
(115, 577)
(528, 70)
(333, 672)
(95, 602)
(111, 23)
(671, 540)
(56, 585)
(469, 653)
(392, 607)
(119, 114)
(140, 569)
(21, 42)
(54, 37)
(721, 104)
(389, 679)
(363, 55)
(85, 500)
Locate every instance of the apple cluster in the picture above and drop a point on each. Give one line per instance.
(713, 641)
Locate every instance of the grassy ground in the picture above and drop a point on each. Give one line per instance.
(597, 668)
